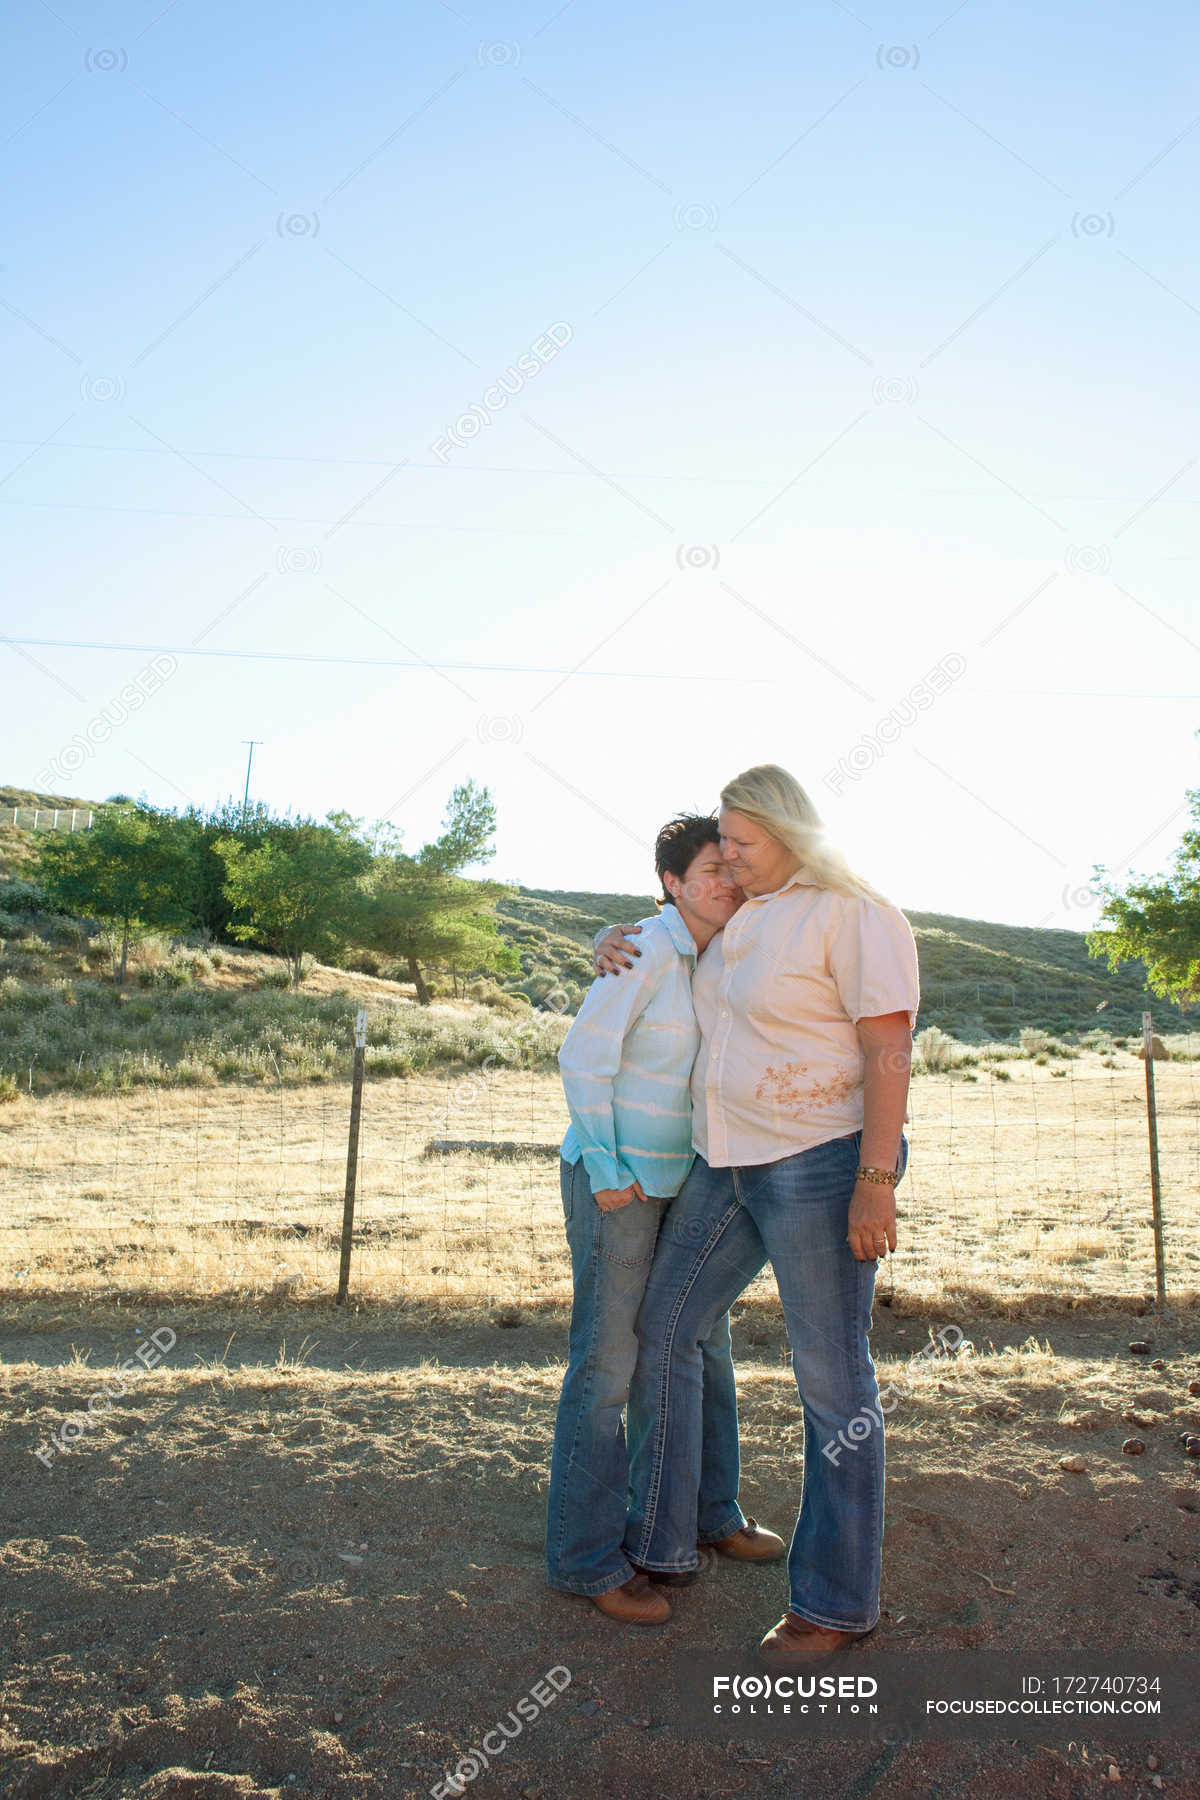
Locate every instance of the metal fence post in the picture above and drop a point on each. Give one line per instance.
(360, 1056)
(1160, 1279)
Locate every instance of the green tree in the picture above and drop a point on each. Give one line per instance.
(1157, 922)
(422, 919)
(466, 834)
(421, 910)
(133, 873)
(202, 830)
(296, 890)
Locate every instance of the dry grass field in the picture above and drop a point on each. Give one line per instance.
(303, 1555)
(1027, 1188)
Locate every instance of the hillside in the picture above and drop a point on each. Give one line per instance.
(978, 980)
(17, 844)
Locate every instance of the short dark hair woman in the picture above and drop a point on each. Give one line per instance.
(626, 1064)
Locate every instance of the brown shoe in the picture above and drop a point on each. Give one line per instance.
(797, 1643)
(635, 1602)
(753, 1543)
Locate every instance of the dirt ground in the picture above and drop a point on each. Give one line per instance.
(303, 1555)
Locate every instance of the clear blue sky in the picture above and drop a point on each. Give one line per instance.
(877, 352)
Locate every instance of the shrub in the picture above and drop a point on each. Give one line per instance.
(151, 953)
(935, 1050)
(1034, 1042)
(25, 897)
(8, 1089)
(170, 976)
(111, 1041)
(491, 995)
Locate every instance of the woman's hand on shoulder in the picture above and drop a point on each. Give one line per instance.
(614, 949)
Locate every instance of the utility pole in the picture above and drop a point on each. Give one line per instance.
(249, 760)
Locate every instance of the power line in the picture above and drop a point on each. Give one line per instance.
(381, 462)
(156, 512)
(376, 662)
(391, 662)
(473, 468)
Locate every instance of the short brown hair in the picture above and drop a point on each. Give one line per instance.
(678, 843)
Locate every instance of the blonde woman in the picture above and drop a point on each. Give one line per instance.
(806, 1005)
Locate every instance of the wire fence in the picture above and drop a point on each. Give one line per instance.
(1025, 1181)
(47, 818)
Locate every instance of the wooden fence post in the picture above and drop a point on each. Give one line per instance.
(360, 1055)
(1160, 1278)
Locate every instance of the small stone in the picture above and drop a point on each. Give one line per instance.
(1192, 1447)
(1133, 1447)
(1140, 1347)
(1074, 1465)
(1158, 1363)
(1194, 1387)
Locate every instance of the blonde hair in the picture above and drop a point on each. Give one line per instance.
(775, 800)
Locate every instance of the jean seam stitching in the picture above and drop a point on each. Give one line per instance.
(588, 1373)
(652, 1492)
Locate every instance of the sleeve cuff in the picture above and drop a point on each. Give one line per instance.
(604, 1171)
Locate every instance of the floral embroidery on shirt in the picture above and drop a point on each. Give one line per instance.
(786, 1088)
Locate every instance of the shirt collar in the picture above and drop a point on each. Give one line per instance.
(679, 934)
(803, 877)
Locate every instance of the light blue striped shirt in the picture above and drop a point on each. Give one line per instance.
(626, 1065)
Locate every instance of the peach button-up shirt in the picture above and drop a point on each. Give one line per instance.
(777, 994)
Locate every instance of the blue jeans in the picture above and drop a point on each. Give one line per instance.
(724, 1226)
(611, 1253)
